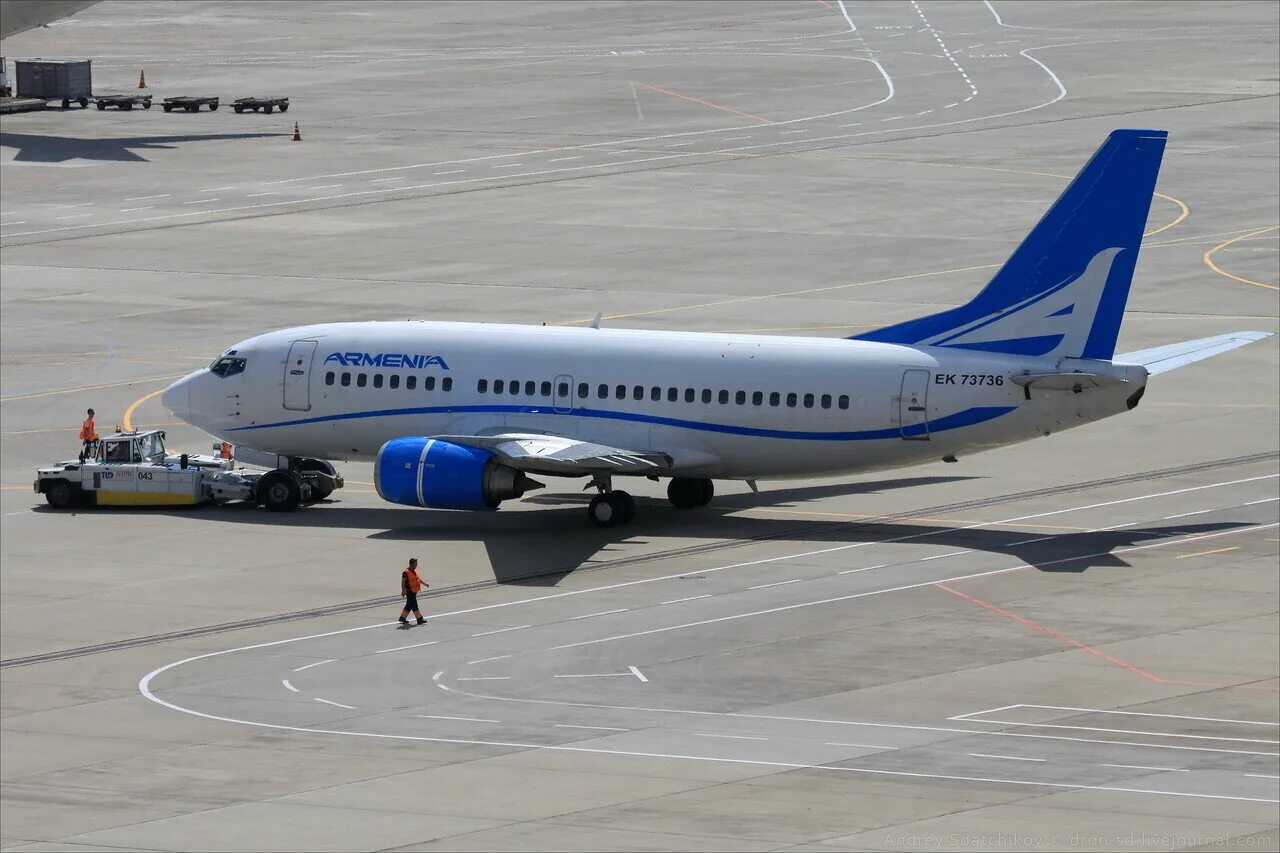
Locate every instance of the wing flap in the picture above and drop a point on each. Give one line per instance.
(1171, 356)
(557, 455)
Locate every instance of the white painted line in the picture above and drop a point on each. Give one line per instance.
(72, 216)
(286, 683)
(1127, 731)
(987, 711)
(463, 719)
(596, 728)
(638, 674)
(324, 187)
(923, 112)
(776, 583)
(1029, 541)
(1144, 767)
(859, 745)
(1261, 776)
(792, 132)
(594, 675)
(854, 124)
(734, 138)
(1004, 757)
(507, 166)
(387, 180)
(267, 192)
(560, 159)
(336, 704)
(942, 556)
(317, 663)
(486, 660)
(502, 630)
(601, 613)
(730, 737)
(23, 222)
(218, 189)
(484, 678)
(679, 144)
(132, 209)
(402, 648)
(203, 201)
(146, 197)
(69, 206)
(1185, 514)
(1263, 501)
(450, 172)
(855, 571)
(949, 106)
(690, 598)
(891, 118)
(1135, 714)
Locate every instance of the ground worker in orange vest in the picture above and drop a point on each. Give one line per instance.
(88, 435)
(410, 585)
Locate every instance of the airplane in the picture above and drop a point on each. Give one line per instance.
(462, 416)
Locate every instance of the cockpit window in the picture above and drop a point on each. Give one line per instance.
(227, 365)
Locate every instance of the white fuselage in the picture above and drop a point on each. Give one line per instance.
(720, 405)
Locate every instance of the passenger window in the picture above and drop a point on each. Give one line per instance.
(826, 401)
(791, 401)
(655, 394)
(530, 388)
(546, 389)
(673, 394)
(393, 381)
(724, 396)
(513, 387)
(844, 401)
(584, 390)
(620, 392)
(563, 391)
(447, 384)
(690, 395)
(410, 382)
(603, 391)
(328, 378)
(808, 401)
(361, 380)
(346, 379)
(429, 383)
(740, 397)
(774, 398)
(481, 387)
(757, 398)
(638, 392)
(377, 380)
(498, 386)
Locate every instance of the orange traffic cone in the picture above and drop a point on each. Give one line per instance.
(297, 136)
(142, 79)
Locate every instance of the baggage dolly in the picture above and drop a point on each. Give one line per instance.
(190, 103)
(123, 102)
(264, 104)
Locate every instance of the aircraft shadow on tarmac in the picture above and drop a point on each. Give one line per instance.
(36, 148)
(544, 546)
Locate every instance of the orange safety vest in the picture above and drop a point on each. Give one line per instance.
(88, 432)
(412, 583)
(225, 452)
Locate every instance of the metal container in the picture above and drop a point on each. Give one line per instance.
(53, 79)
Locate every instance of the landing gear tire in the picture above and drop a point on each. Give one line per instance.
(59, 494)
(611, 509)
(279, 492)
(689, 492)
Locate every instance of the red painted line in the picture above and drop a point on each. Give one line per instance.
(705, 103)
(1050, 632)
(825, 4)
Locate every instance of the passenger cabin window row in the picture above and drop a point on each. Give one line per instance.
(393, 381)
(657, 393)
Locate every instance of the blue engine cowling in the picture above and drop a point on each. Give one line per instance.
(420, 471)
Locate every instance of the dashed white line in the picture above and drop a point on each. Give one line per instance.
(267, 192)
(486, 660)
(501, 630)
(855, 571)
(776, 583)
(335, 704)
(690, 598)
(862, 745)
(484, 678)
(601, 613)
(132, 209)
(596, 728)
(638, 674)
(402, 648)
(1145, 767)
(792, 132)
(387, 180)
(730, 737)
(593, 675)
(72, 216)
(1263, 501)
(891, 118)
(317, 663)
(949, 106)
(507, 166)
(1004, 757)
(219, 189)
(734, 138)
(1029, 541)
(16, 223)
(450, 172)
(1261, 776)
(323, 187)
(286, 683)
(146, 197)
(562, 159)
(924, 112)
(463, 719)
(941, 556)
(679, 144)
(854, 124)
(69, 206)
(1185, 514)
(203, 201)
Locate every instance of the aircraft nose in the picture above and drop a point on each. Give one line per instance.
(177, 397)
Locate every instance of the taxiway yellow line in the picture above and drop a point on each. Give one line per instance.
(1208, 258)
(1206, 553)
(90, 387)
(128, 413)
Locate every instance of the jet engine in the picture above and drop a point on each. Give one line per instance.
(420, 471)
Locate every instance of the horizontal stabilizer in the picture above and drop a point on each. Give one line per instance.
(1166, 358)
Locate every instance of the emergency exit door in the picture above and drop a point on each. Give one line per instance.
(913, 410)
(297, 376)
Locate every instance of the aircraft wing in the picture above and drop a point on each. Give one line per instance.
(1166, 358)
(538, 453)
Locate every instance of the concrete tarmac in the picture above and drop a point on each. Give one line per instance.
(1066, 645)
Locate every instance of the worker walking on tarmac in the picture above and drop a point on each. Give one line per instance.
(410, 585)
(88, 435)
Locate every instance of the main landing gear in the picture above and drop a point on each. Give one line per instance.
(610, 507)
(689, 492)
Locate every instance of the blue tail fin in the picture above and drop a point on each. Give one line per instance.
(1064, 290)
